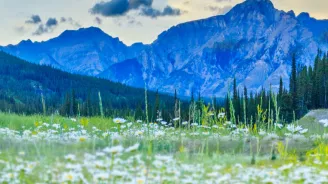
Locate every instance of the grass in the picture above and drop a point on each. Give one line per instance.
(54, 149)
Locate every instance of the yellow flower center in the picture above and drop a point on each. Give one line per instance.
(82, 139)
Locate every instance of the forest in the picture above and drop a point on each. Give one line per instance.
(27, 88)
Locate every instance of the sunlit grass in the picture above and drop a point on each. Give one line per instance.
(103, 150)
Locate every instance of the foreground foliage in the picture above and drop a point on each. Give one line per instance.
(37, 149)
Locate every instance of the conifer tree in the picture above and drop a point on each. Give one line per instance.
(281, 89)
(293, 86)
(245, 104)
(157, 104)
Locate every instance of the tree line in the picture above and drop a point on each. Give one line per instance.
(308, 89)
(29, 88)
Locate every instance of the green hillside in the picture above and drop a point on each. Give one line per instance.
(22, 85)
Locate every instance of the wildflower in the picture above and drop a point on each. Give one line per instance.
(21, 153)
(36, 124)
(262, 132)
(159, 134)
(221, 115)
(119, 120)
(139, 121)
(73, 119)
(133, 148)
(163, 122)
(101, 176)
(271, 136)
(56, 126)
(293, 129)
(194, 124)
(176, 119)
(185, 123)
(84, 122)
(215, 126)
(140, 181)
(285, 167)
(139, 132)
(114, 150)
(213, 174)
(70, 177)
(159, 120)
(206, 133)
(211, 114)
(70, 157)
(279, 125)
(194, 133)
(324, 122)
(82, 138)
(303, 131)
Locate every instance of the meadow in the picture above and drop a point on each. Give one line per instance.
(54, 149)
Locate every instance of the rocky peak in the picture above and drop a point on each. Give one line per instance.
(304, 16)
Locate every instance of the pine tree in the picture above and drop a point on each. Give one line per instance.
(281, 89)
(236, 101)
(293, 86)
(227, 107)
(192, 97)
(176, 105)
(245, 104)
(65, 110)
(156, 106)
(88, 104)
(139, 112)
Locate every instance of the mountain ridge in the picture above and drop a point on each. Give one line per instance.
(252, 42)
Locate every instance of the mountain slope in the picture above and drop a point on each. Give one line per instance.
(253, 42)
(86, 51)
(22, 83)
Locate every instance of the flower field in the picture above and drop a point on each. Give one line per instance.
(36, 149)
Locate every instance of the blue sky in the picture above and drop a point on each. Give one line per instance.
(134, 21)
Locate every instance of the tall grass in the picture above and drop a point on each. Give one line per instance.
(101, 105)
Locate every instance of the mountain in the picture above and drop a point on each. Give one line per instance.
(22, 85)
(253, 42)
(86, 51)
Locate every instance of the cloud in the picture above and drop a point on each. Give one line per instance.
(116, 8)
(73, 23)
(20, 29)
(34, 19)
(49, 26)
(111, 8)
(98, 20)
(51, 22)
(219, 10)
(41, 30)
(127, 21)
(135, 4)
(154, 13)
(63, 19)
(70, 21)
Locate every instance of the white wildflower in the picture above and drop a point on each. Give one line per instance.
(119, 120)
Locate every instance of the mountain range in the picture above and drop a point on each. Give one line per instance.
(254, 43)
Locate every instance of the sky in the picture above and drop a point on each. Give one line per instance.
(130, 20)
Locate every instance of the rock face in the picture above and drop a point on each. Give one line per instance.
(86, 51)
(253, 42)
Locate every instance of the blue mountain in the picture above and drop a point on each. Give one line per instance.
(253, 42)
